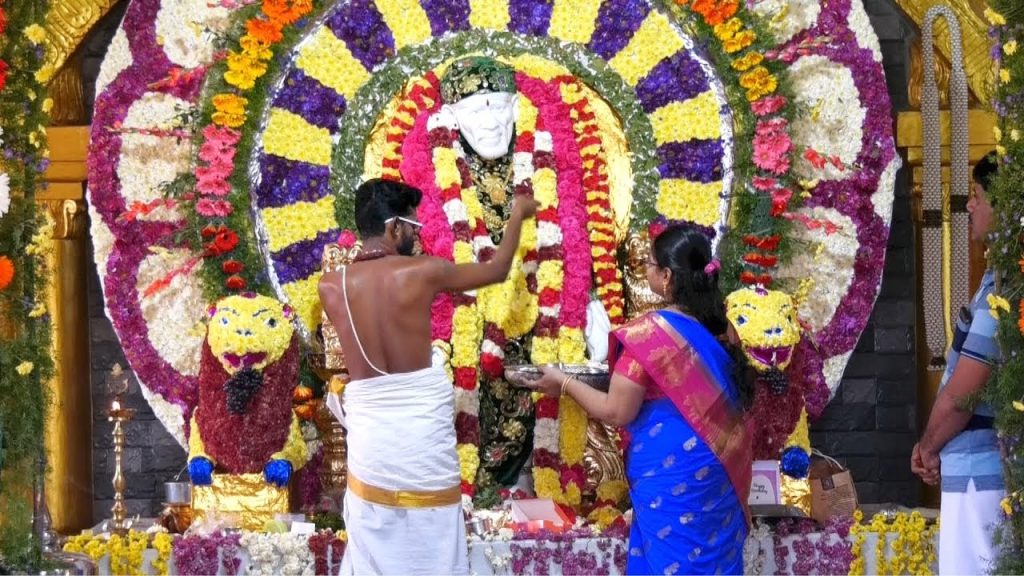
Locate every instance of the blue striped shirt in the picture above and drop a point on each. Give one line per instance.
(973, 454)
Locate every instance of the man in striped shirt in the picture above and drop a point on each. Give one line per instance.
(959, 446)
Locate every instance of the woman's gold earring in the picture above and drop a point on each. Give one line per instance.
(664, 288)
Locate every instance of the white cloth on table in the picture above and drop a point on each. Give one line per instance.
(968, 520)
(401, 436)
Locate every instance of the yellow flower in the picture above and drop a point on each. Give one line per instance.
(739, 41)
(25, 368)
(1018, 406)
(1004, 75)
(547, 484)
(1015, 135)
(44, 73)
(748, 61)
(604, 516)
(1010, 48)
(572, 437)
(35, 33)
(1000, 150)
(230, 110)
(997, 133)
(47, 105)
(612, 490)
(995, 304)
(469, 462)
(38, 311)
(1005, 505)
(728, 29)
(994, 18)
(254, 47)
(758, 82)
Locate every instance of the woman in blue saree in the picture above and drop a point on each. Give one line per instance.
(682, 396)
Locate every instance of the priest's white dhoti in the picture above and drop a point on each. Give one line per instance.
(403, 510)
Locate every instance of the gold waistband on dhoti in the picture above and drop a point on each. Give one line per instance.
(404, 498)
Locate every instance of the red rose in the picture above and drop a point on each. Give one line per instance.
(3, 74)
(492, 365)
(235, 283)
(209, 231)
(544, 459)
(549, 297)
(466, 488)
(225, 240)
(232, 267)
(547, 407)
(3, 20)
(465, 378)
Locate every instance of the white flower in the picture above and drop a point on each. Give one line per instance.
(833, 116)
(545, 435)
(5, 193)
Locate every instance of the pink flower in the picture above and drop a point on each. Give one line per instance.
(213, 208)
(224, 137)
(764, 184)
(346, 239)
(211, 181)
(772, 146)
(768, 105)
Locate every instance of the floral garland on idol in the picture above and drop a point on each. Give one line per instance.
(1006, 256)
(25, 249)
(253, 209)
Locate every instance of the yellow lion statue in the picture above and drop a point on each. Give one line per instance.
(244, 423)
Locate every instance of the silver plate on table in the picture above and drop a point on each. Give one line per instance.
(594, 375)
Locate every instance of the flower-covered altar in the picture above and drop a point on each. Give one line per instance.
(229, 138)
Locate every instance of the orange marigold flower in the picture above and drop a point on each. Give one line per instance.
(287, 11)
(716, 11)
(264, 30)
(1021, 264)
(1020, 318)
(6, 272)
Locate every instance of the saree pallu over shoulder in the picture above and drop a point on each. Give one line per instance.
(693, 370)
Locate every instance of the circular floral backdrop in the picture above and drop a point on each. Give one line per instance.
(228, 138)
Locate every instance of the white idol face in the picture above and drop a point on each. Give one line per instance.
(487, 122)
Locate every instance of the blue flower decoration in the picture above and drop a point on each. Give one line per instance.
(795, 462)
(278, 472)
(200, 471)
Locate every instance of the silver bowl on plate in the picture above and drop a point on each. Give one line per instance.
(594, 375)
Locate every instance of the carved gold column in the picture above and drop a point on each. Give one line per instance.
(68, 437)
(910, 139)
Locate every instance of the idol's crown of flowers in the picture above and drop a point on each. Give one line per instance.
(476, 75)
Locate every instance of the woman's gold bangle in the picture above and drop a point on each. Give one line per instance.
(565, 383)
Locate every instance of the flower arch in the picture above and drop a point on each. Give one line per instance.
(188, 182)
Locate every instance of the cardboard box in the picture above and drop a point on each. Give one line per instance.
(765, 483)
(538, 514)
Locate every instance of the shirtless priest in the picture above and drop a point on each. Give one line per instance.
(403, 508)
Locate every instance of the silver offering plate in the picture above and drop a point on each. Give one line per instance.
(594, 375)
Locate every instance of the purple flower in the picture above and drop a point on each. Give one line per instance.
(360, 25)
(617, 21)
(530, 16)
(677, 78)
(446, 15)
(301, 259)
(307, 97)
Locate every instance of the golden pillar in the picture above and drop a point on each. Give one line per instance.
(68, 436)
